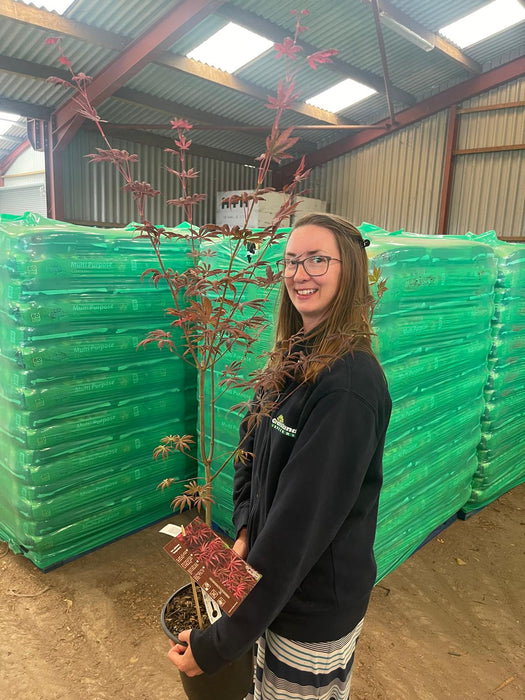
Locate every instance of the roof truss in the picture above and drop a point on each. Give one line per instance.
(147, 48)
(138, 54)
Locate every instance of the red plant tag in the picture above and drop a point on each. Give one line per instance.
(218, 570)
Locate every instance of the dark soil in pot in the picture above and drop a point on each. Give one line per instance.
(179, 612)
(232, 682)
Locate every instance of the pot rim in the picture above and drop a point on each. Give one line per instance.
(165, 629)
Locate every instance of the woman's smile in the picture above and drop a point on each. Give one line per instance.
(312, 296)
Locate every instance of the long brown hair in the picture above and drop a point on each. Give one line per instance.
(348, 324)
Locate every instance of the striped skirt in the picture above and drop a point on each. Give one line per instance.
(288, 670)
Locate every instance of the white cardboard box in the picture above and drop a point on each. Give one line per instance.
(264, 211)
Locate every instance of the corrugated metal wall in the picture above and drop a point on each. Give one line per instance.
(93, 194)
(489, 188)
(395, 182)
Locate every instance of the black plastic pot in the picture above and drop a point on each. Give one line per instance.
(231, 682)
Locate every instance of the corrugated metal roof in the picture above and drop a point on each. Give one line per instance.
(346, 25)
(126, 17)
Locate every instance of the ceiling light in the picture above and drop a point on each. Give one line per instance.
(340, 96)
(230, 48)
(405, 32)
(58, 6)
(488, 20)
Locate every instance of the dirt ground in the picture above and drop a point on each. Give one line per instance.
(446, 624)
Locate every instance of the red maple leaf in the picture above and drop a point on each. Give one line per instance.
(285, 96)
(319, 57)
(287, 48)
(183, 143)
(65, 61)
(180, 124)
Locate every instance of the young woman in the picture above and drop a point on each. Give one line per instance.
(305, 502)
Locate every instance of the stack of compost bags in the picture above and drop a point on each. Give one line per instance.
(81, 408)
(501, 456)
(433, 339)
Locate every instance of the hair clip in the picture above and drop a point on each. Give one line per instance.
(364, 242)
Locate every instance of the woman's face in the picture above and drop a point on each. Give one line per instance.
(312, 296)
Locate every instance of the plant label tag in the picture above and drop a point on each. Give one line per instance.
(219, 571)
(171, 529)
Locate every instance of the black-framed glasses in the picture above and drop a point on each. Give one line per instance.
(314, 266)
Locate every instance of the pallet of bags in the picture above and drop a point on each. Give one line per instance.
(501, 454)
(81, 408)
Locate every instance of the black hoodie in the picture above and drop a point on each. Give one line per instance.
(309, 499)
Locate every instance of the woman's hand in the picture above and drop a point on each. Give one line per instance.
(241, 543)
(182, 656)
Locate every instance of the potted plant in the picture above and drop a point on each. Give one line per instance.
(224, 580)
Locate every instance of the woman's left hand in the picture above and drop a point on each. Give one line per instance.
(182, 656)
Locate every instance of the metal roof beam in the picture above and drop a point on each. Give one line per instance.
(195, 116)
(30, 69)
(219, 77)
(157, 140)
(42, 72)
(56, 24)
(10, 158)
(24, 109)
(277, 34)
(454, 95)
(439, 43)
(138, 54)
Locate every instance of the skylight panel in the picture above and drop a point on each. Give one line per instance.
(59, 6)
(7, 120)
(488, 20)
(340, 96)
(231, 48)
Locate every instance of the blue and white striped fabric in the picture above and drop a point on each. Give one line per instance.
(288, 670)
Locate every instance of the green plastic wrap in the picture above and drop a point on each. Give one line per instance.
(34, 394)
(501, 457)
(81, 407)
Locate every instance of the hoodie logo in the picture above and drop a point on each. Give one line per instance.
(278, 424)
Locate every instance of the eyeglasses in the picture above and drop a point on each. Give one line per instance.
(314, 266)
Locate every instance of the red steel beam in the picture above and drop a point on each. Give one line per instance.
(139, 53)
(10, 158)
(448, 171)
(426, 108)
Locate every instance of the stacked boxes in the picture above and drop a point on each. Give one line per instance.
(81, 407)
